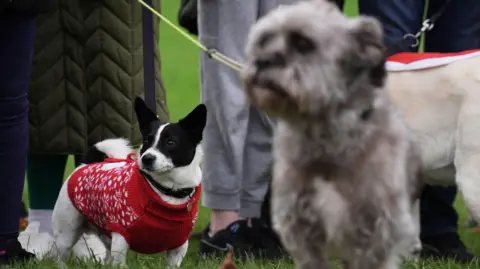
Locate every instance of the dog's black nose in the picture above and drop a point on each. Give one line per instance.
(148, 159)
(275, 60)
(262, 63)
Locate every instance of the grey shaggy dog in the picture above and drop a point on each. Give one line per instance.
(345, 172)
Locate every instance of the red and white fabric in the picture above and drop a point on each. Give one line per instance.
(409, 61)
(116, 197)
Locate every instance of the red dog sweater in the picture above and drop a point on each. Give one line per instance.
(116, 197)
(408, 61)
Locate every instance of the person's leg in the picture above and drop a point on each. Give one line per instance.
(456, 30)
(45, 176)
(437, 214)
(230, 147)
(45, 179)
(397, 17)
(223, 25)
(77, 160)
(17, 31)
(256, 166)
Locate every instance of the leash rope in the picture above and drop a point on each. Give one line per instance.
(212, 53)
(427, 25)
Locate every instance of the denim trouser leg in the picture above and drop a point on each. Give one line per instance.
(17, 35)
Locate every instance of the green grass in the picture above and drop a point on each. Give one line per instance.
(180, 70)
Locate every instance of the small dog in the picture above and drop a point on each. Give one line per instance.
(147, 204)
(346, 168)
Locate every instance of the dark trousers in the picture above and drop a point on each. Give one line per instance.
(457, 29)
(17, 35)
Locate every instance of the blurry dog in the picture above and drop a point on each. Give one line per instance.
(346, 167)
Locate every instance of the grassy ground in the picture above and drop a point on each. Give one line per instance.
(180, 73)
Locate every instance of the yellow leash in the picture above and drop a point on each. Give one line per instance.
(212, 53)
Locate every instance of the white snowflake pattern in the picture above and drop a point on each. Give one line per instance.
(79, 200)
(101, 191)
(130, 214)
(89, 169)
(118, 199)
(113, 218)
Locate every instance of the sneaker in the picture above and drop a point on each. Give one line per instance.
(41, 244)
(446, 246)
(15, 254)
(246, 240)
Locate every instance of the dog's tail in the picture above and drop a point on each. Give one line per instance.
(109, 148)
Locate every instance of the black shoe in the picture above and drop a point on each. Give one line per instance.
(255, 241)
(15, 254)
(446, 246)
(198, 235)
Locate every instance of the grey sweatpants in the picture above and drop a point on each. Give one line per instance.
(237, 138)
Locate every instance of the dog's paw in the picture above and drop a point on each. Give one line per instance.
(61, 265)
(90, 247)
(413, 254)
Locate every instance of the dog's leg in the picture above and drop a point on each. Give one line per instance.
(390, 263)
(67, 225)
(467, 151)
(417, 244)
(307, 252)
(362, 260)
(468, 181)
(301, 236)
(107, 242)
(119, 250)
(175, 256)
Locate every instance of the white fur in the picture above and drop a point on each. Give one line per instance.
(115, 147)
(69, 223)
(442, 107)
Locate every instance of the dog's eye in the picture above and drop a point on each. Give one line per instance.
(300, 43)
(171, 143)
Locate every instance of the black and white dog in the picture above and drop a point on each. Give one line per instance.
(145, 201)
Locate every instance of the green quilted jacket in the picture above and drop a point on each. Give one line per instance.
(88, 68)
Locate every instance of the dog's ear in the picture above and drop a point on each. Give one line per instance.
(367, 33)
(195, 121)
(145, 116)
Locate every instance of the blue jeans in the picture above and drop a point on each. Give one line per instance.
(17, 35)
(457, 29)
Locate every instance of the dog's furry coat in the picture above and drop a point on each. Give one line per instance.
(345, 166)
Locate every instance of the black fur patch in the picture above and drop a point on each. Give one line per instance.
(94, 155)
(178, 141)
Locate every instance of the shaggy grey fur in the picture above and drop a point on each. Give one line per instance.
(345, 169)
